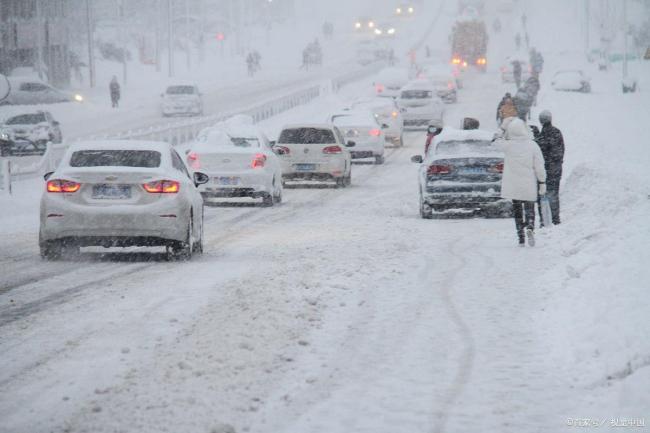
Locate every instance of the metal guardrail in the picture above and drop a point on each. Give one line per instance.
(182, 131)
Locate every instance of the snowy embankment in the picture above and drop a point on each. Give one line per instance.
(598, 278)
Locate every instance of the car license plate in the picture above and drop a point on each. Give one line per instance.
(111, 192)
(471, 170)
(226, 180)
(305, 167)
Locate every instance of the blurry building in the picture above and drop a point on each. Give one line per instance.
(34, 34)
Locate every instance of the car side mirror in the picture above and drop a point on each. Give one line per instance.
(384, 126)
(273, 143)
(402, 110)
(350, 144)
(417, 159)
(56, 123)
(47, 175)
(200, 178)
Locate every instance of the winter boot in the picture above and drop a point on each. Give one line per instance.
(530, 234)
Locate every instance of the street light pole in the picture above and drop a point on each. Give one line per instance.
(91, 45)
(170, 41)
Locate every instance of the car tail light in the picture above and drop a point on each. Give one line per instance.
(332, 150)
(498, 168)
(162, 186)
(375, 132)
(193, 159)
(380, 88)
(438, 169)
(450, 85)
(61, 185)
(258, 161)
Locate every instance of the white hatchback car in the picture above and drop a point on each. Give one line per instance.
(388, 116)
(314, 152)
(420, 105)
(240, 162)
(120, 194)
(361, 127)
(389, 81)
(183, 99)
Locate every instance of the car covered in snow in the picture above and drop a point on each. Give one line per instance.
(389, 81)
(29, 91)
(461, 175)
(182, 99)
(240, 162)
(572, 80)
(420, 105)
(388, 116)
(314, 152)
(121, 194)
(361, 126)
(37, 127)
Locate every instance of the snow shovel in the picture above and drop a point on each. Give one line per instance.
(545, 207)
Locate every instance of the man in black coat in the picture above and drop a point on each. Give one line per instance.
(551, 143)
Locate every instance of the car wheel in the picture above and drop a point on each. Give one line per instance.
(267, 200)
(51, 250)
(424, 213)
(182, 250)
(277, 198)
(379, 159)
(348, 179)
(340, 182)
(198, 245)
(401, 140)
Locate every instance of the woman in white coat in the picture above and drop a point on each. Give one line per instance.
(524, 176)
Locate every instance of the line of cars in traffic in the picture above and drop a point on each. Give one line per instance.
(134, 193)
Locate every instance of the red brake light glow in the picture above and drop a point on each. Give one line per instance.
(498, 168)
(438, 169)
(375, 132)
(193, 159)
(60, 185)
(258, 161)
(162, 187)
(282, 150)
(380, 88)
(332, 150)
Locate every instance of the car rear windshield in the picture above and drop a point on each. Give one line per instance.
(465, 147)
(417, 94)
(27, 119)
(307, 136)
(115, 158)
(180, 90)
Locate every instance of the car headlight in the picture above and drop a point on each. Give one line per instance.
(78, 98)
(391, 31)
(4, 136)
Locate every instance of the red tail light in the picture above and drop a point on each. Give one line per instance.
(193, 159)
(332, 150)
(61, 185)
(380, 88)
(281, 150)
(438, 169)
(258, 161)
(498, 168)
(450, 85)
(162, 187)
(375, 132)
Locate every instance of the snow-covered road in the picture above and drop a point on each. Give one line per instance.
(338, 311)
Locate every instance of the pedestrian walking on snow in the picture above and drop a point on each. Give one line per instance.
(524, 176)
(551, 143)
(516, 73)
(506, 108)
(114, 89)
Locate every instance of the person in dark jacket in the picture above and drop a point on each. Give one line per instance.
(516, 72)
(523, 101)
(507, 98)
(114, 88)
(551, 143)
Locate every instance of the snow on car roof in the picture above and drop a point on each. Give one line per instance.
(453, 134)
(308, 125)
(159, 146)
(353, 118)
(418, 85)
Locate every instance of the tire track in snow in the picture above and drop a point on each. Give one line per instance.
(468, 351)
